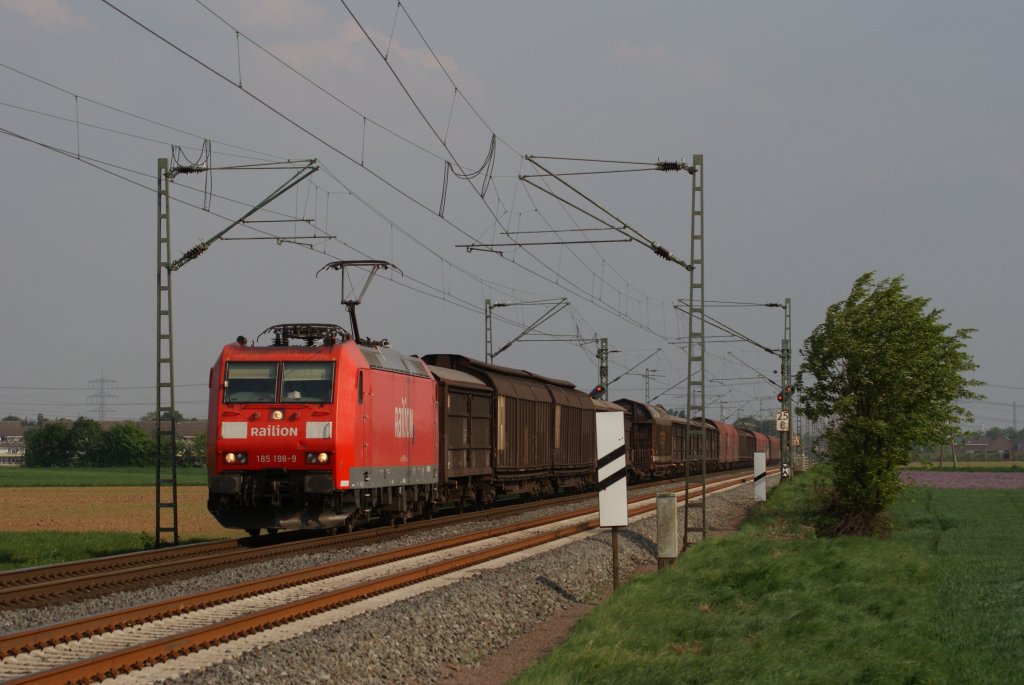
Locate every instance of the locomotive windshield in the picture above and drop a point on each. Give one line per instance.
(250, 382)
(294, 382)
(307, 381)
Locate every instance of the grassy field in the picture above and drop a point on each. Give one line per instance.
(22, 477)
(20, 549)
(940, 601)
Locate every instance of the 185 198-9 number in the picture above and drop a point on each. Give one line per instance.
(276, 459)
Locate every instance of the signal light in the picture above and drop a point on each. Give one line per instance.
(780, 397)
(598, 392)
(787, 392)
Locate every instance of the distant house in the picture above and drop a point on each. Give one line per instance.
(185, 430)
(1000, 444)
(12, 443)
(976, 443)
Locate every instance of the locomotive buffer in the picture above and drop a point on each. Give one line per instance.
(611, 480)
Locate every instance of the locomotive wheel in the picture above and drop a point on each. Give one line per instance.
(253, 532)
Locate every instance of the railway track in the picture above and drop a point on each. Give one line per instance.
(123, 641)
(62, 583)
(47, 585)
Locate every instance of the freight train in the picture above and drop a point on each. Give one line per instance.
(320, 430)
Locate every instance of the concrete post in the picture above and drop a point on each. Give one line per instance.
(668, 530)
(760, 482)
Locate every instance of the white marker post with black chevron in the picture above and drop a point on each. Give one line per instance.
(611, 470)
(611, 480)
(760, 477)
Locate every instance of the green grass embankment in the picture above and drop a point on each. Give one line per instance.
(20, 549)
(940, 601)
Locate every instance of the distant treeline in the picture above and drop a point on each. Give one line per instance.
(85, 443)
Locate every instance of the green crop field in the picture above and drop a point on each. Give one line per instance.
(88, 477)
(939, 601)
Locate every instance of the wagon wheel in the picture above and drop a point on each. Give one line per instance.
(253, 532)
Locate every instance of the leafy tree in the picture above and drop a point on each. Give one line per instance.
(178, 416)
(996, 431)
(84, 442)
(48, 445)
(12, 417)
(887, 375)
(125, 444)
(766, 426)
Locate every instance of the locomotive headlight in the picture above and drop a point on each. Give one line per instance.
(229, 458)
(242, 457)
(315, 458)
(277, 415)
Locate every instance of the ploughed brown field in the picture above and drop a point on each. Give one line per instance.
(104, 509)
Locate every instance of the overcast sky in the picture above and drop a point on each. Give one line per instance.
(838, 138)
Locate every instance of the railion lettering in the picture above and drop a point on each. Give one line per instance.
(403, 422)
(273, 432)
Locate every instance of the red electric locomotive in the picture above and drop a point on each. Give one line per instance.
(321, 435)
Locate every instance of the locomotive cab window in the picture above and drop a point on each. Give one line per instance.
(250, 382)
(307, 382)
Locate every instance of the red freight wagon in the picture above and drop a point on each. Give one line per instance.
(727, 453)
(747, 446)
(763, 444)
